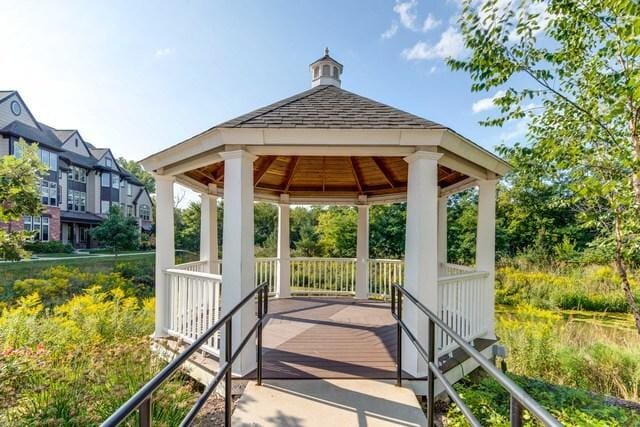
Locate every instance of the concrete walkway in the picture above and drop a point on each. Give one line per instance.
(322, 403)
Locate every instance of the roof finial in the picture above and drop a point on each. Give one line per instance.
(326, 51)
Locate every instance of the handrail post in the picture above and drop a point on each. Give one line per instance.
(398, 337)
(228, 403)
(515, 416)
(259, 332)
(430, 376)
(145, 412)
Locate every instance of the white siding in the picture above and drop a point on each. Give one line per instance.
(6, 116)
(4, 146)
(93, 192)
(70, 145)
(62, 183)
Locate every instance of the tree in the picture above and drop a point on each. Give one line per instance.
(117, 231)
(387, 225)
(571, 68)
(136, 170)
(19, 196)
(337, 228)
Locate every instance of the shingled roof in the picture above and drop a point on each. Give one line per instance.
(329, 107)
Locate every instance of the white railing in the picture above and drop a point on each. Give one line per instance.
(323, 276)
(382, 274)
(462, 301)
(194, 299)
(266, 270)
(194, 266)
(449, 269)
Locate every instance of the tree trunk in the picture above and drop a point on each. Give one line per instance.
(635, 176)
(622, 272)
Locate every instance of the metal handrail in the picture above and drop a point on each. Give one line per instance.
(142, 400)
(519, 398)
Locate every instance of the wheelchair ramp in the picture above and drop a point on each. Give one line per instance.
(331, 402)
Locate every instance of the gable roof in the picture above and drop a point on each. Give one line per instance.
(44, 135)
(64, 134)
(4, 94)
(79, 159)
(329, 107)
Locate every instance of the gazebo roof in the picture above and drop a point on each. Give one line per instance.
(329, 107)
(327, 144)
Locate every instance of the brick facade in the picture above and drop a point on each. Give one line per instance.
(54, 222)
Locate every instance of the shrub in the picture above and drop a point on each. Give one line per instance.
(51, 247)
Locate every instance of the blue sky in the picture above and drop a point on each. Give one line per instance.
(141, 76)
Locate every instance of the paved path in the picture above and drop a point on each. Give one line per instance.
(63, 258)
(329, 338)
(322, 403)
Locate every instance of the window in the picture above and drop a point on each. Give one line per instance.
(316, 71)
(145, 212)
(70, 174)
(83, 175)
(36, 227)
(53, 194)
(77, 201)
(44, 157)
(106, 180)
(115, 181)
(70, 200)
(53, 162)
(108, 162)
(129, 210)
(335, 72)
(49, 193)
(83, 202)
(45, 228)
(39, 225)
(326, 70)
(76, 142)
(129, 190)
(17, 150)
(104, 206)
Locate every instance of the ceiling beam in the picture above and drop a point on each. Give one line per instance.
(263, 170)
(293, 164)
(356, 173)
(383, 169)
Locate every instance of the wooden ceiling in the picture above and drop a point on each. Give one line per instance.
(326, 176)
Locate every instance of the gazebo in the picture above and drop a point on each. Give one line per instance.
(325, 146)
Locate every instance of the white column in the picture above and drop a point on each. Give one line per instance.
(283, 285)
(421, 253)
(209, 228)
(362, 253)
(486, 246)
(238, 258)
(165, 250)
(442, 233)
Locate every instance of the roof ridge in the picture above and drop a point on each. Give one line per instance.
(282, 103)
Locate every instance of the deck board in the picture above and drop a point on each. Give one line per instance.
(329, 338)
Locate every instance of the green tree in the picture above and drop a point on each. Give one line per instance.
(387, 225)
(337, 228)
(570, 67)
(117, 231)
(187, 227)
(19, 196)
(136, 170)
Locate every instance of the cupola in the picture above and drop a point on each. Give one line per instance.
(325, 71)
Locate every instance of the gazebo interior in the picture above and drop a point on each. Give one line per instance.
(329, 175)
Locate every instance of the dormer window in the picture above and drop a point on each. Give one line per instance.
(108, 161)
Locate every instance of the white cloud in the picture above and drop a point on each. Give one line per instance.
(406, 12)
(166, 51)
(516, 131)
(450, 44)
(485, 104)
(393, 29)
(433, 69)
(430, 23)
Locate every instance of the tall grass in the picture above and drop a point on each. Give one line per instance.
(593, 288)
(76, 363)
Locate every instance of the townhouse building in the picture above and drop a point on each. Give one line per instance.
(82, 181)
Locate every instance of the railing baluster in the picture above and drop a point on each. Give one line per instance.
(145, 412)
(228, 402)
(259, 346)
(398, 337)
(515, 416)
(430, 377)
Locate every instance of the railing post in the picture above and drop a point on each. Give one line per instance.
(145, 412)
(430, 376)
(259, 346)
(398, 336)
(515, 417)
(228, 402)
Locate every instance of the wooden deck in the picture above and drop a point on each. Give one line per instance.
(329, 338)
